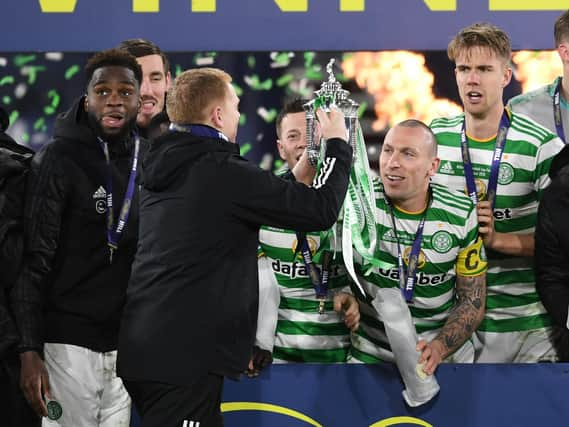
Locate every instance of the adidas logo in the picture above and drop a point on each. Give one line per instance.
(389, 236)
(100, 193)
(446, 168)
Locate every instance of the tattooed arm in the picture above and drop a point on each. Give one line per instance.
(461, 323)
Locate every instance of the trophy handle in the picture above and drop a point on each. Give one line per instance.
(312, 148)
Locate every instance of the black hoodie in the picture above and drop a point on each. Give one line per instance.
(552, 242)
(14, 163)
(193, 294)
(68, 291)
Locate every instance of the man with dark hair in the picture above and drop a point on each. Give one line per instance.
(298, 322)
(549, 104)
(193, 293)
(14, 164)
(552, 249)
(155, 79)
(81, 234)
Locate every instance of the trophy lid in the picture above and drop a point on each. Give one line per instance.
(332, 93)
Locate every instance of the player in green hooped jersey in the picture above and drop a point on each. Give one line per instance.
(516, 327)
(447, 300)
(290, 324)
(549, 105)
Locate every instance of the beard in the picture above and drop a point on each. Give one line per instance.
(122, 133)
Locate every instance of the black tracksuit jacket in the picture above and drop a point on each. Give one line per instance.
(68, 292)
(192, 298)
(14, 161)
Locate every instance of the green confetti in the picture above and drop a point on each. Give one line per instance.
(33, 73)
(361, 109)
(14, 116)
(256, 84)
(54, 96)
(251, 61)
(71, 71)
(282, 59)
(238, 89)
(40, 125)
(245, 148)
(278, 164)
(6, 80)
(25, 137)
(242, 119)
(313, 74)
(308, 58)
(270, 115)
(6, 99)
(284, 80)
(20, 60)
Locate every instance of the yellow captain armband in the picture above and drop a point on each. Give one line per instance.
(472, 260)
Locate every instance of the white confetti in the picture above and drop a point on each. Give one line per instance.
(54, 56)
(20, 90)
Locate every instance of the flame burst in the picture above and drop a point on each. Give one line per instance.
(536, 68)
(401, 84)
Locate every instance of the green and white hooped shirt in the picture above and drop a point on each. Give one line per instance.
(512, 303)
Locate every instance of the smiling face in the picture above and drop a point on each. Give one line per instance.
(406, 163)
(481, 76)
(155, 84)
(112, 101)
(292, 141)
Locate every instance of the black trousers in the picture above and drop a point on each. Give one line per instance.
(18, 412)
(167, 405)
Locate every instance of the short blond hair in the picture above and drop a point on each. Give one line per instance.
(193, 91)
(482, 35)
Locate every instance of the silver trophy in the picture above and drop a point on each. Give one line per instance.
(329, 94)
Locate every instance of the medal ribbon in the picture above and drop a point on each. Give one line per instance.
(407, 280)
(557, 111)
(114, 234)
(318, 278)
(495, 166)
